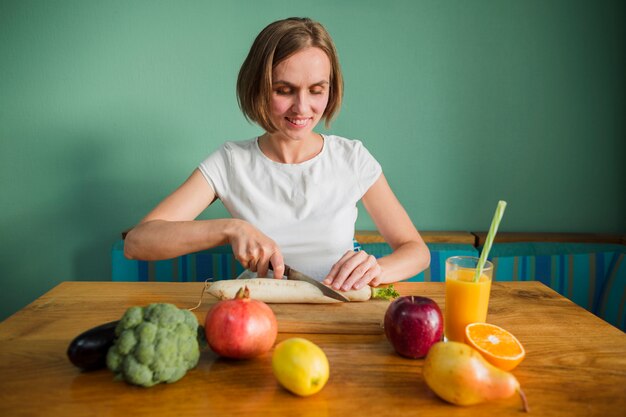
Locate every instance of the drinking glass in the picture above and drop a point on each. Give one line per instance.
(467, 301)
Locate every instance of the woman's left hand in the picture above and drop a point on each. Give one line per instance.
(353, 271)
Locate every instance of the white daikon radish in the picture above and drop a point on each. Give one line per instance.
(272, 290)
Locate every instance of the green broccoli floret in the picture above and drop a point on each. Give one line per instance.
(154, 344)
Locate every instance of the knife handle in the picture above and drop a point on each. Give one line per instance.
(287, 269)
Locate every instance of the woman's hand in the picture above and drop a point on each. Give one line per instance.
(254, 250)
(353, 271)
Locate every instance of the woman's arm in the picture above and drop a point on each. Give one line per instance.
(170, 230)
(410, 254)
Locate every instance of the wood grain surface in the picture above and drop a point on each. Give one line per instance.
(545, 237)
(373, 236)
(575, 364)
(340, 318)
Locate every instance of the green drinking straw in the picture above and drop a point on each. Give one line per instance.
(493, 229)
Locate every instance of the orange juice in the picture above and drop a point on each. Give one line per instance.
(466, 301)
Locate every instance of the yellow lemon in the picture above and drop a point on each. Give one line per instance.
(300, 366)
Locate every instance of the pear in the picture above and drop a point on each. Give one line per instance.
(459, 374)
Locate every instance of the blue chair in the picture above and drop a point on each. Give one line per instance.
(220, 263)
(439, 252)
(216, 263)
(612, 303)
(590, 274)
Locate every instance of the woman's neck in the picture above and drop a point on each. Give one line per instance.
(290, 151)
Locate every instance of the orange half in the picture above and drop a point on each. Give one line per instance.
(498, 346)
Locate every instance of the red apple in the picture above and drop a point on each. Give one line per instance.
(412, 325)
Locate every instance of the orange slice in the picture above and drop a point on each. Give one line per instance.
(498, 346)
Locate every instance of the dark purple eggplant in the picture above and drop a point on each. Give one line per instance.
(88, 350)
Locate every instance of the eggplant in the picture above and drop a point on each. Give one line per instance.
(88, 350)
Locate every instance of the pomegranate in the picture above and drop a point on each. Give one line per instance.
(240, 328)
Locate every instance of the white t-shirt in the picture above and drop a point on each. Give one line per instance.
(308, 209)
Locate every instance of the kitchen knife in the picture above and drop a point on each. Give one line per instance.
(295, 275)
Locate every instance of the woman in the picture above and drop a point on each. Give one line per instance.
(292, 193)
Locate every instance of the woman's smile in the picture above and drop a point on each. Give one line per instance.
(298, 121)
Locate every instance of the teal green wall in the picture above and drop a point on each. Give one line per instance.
(106, 106)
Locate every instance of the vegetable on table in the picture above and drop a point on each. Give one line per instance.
(272, 290)
(88, 350)
(154, 344)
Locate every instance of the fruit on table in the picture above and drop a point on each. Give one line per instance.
(457, 373)
(412, 325)
(497, 345)
(300, 366)
(241, 328)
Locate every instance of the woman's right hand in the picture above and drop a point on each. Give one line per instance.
(254, 250)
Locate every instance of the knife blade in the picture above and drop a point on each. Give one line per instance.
(296, 275)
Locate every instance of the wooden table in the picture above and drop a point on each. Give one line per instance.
(575, 363)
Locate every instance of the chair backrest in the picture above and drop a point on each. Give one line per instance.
(219, 263)
(215, 263)
(439, 252)
(612, 304)
(589, 274)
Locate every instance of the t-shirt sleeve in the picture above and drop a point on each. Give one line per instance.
(368, 168)
(215, 170)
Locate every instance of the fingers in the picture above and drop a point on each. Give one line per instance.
(278, 265)
(337, 266)
(254, 251)
(258, 261)
(371, 277)
(249, 258)
(251, 264)
(353, 271)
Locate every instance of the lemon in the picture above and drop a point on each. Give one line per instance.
(300, 366)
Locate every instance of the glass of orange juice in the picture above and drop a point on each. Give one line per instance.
(466, 301)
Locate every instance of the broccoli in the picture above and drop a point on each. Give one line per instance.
(154, 344)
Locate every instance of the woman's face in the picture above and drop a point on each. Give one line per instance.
(300, 86)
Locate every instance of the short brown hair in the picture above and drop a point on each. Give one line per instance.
(277, 42)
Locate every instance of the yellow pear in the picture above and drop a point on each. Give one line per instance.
(460, 375)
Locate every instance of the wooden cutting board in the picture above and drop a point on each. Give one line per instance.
(364, 317)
